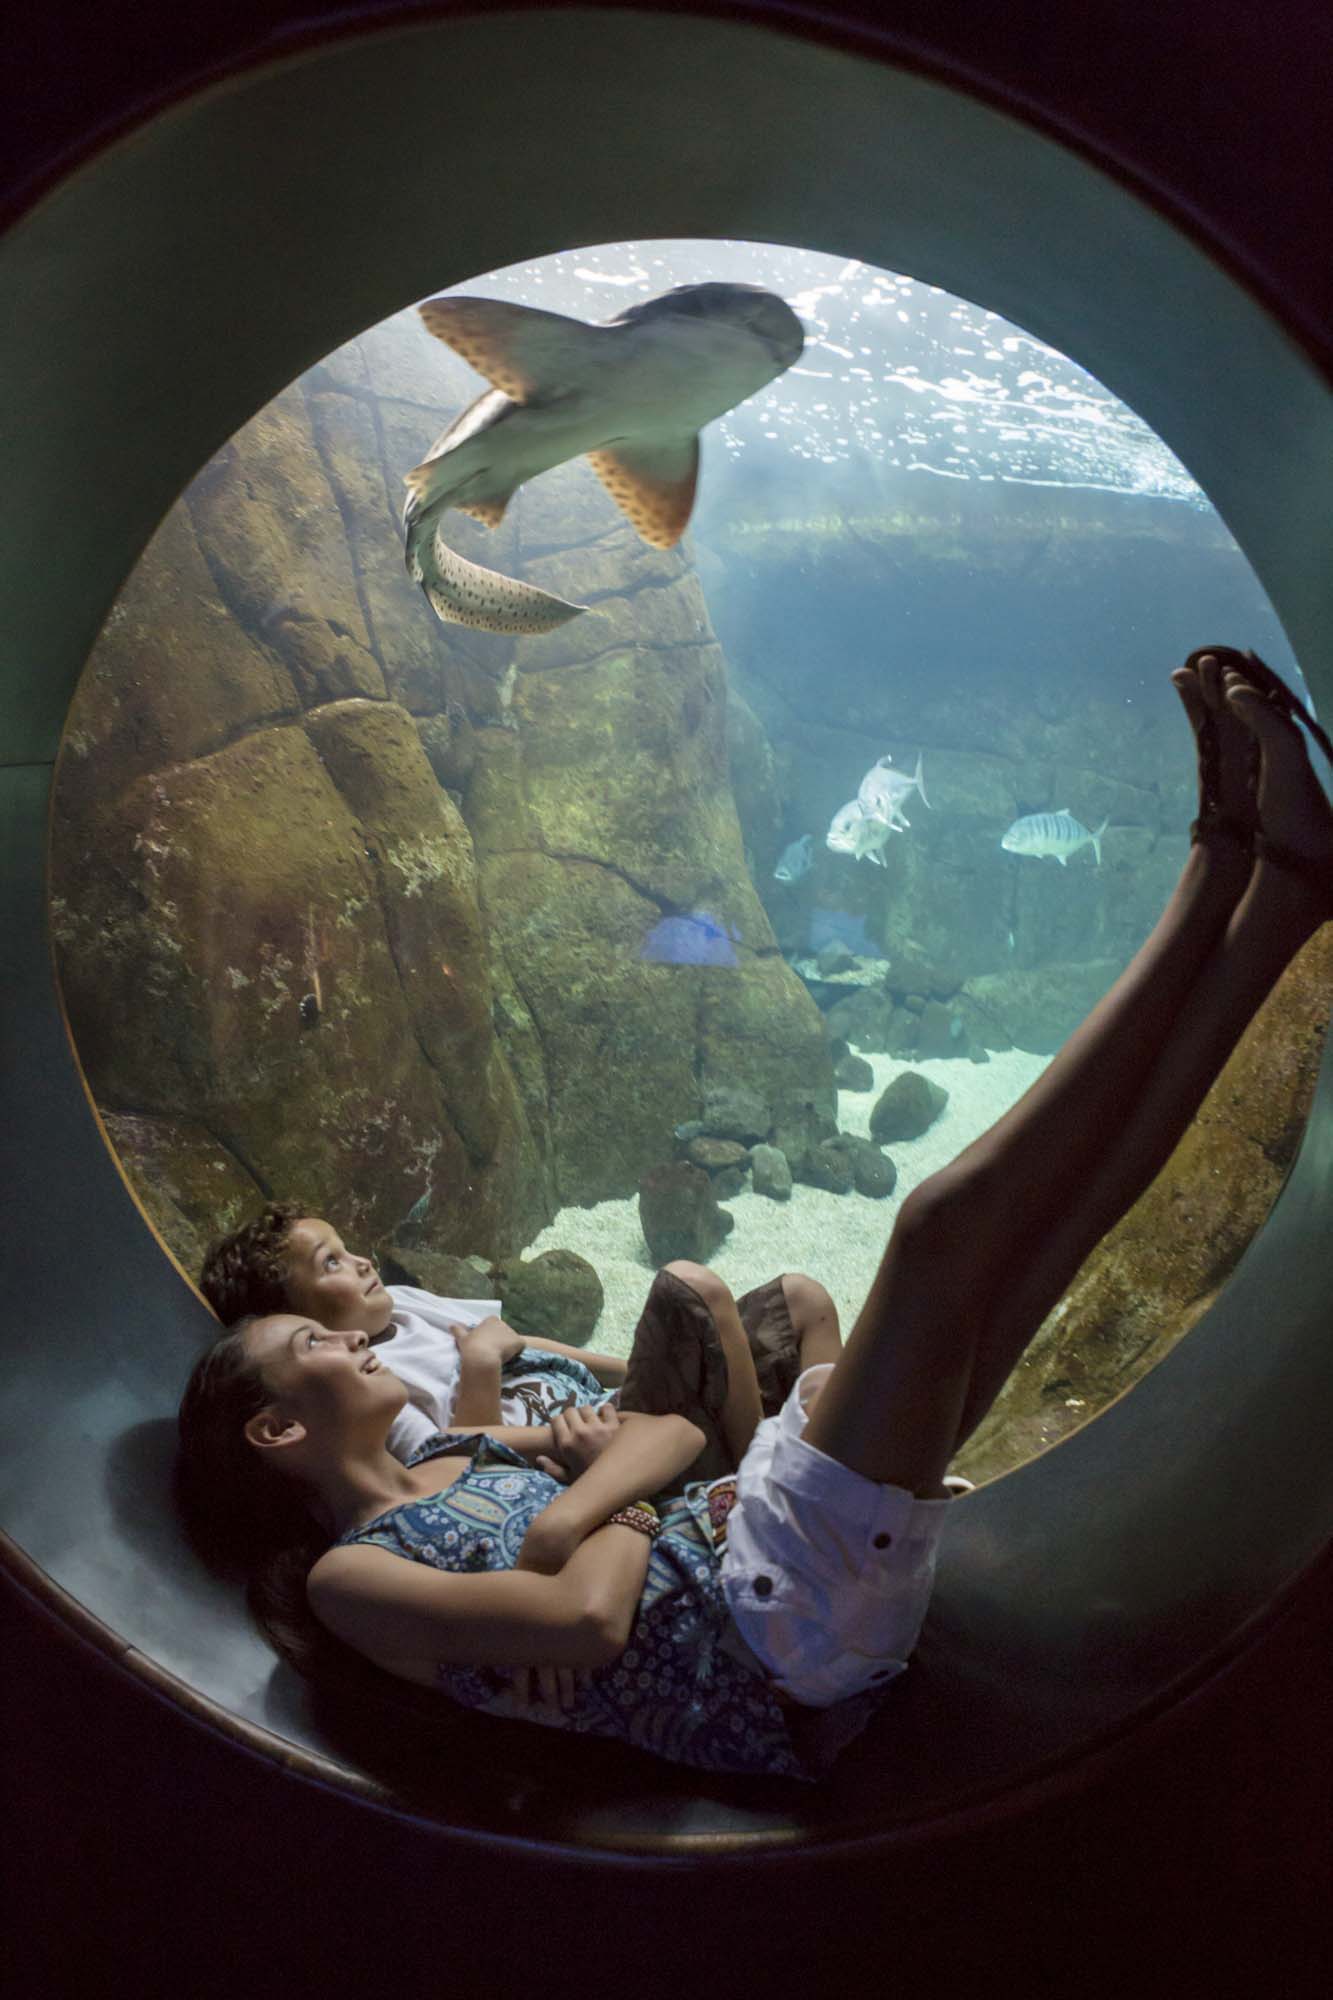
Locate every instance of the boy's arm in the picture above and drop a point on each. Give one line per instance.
(609, 1369)
(477, 1404)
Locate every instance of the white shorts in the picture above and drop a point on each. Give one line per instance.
(827, 1573)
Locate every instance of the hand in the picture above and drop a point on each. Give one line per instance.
(490, 1339)
(555, 1685)
(580, 1434)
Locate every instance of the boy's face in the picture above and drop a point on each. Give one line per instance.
(331, 1284)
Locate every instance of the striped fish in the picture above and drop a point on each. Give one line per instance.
(1056, 833)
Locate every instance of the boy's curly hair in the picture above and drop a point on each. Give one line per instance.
(245, 1274)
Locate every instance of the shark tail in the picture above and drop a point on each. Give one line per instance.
(917, 782)
(463, 593)
(1097, 840)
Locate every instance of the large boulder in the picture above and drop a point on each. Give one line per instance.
(557, 1296)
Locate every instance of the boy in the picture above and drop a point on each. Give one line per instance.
(461, 1365)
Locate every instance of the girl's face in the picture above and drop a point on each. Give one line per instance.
(318, 1375)
(331, 1283)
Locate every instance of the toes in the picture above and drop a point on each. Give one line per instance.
(1186, 686)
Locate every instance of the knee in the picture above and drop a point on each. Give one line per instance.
(947, 1209)
(700, 1279)
(807, 1300)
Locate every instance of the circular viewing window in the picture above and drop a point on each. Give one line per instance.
(789, 860)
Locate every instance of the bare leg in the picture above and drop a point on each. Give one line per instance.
(814, 1319)
(948, 1315)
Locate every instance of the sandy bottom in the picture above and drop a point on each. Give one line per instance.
(837, 1239)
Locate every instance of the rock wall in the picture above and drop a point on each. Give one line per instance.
(353, 906)
(1154, 1275)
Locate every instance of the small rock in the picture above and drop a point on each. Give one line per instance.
(908, 1107)
(679, 1215)
(854, 1073)
(900, 1033)
(800, 1121)
(714, 1155)
(915, 1003)
(557, 1296)
(976, 1055)
(731, 1111)
(772, 1175)
(730, 1181)
(934, 1031)
(837, 1046)
(829, 1165)
(873, 1172)
(833, 958)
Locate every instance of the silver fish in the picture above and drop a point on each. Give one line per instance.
(795, 859)
(631, 393)
(1052, 833)
(883, 791)
(859, 833)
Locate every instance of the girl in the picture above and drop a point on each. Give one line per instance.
(720, 1631)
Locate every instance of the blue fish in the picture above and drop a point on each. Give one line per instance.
(795, 859)
(698, 939)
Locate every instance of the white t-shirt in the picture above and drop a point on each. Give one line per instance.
(425, 1357)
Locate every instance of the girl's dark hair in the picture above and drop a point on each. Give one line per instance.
(245, 1274)
(245, 1521)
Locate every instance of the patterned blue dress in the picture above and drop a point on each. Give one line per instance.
(675, 1690)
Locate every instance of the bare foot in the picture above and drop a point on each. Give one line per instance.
(1294, 813)
(1227, 751)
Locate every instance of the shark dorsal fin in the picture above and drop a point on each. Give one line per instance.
(652, 484)
(524, 351)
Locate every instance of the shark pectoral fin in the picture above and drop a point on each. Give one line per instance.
(652, 484)
(523, 350)
(489, 512)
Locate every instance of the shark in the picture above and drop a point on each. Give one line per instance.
(630, 394)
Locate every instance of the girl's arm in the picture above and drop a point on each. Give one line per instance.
(643, 1457)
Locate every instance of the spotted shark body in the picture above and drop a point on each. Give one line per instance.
(631, 394)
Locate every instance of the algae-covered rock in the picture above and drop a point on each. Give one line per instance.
(827, 1165)
(770, 1173)
(192, 1188)
(908, 1107)
(557, 1296)
(730, 1111)
(407, 1262)
(1033, 1010)
(1154, 1275)
(873, 1172)
(802, 1120)
(227, 958)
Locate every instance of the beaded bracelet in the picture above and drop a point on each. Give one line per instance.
(641, 1515)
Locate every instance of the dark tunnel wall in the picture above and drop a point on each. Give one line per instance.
(1241, 249)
